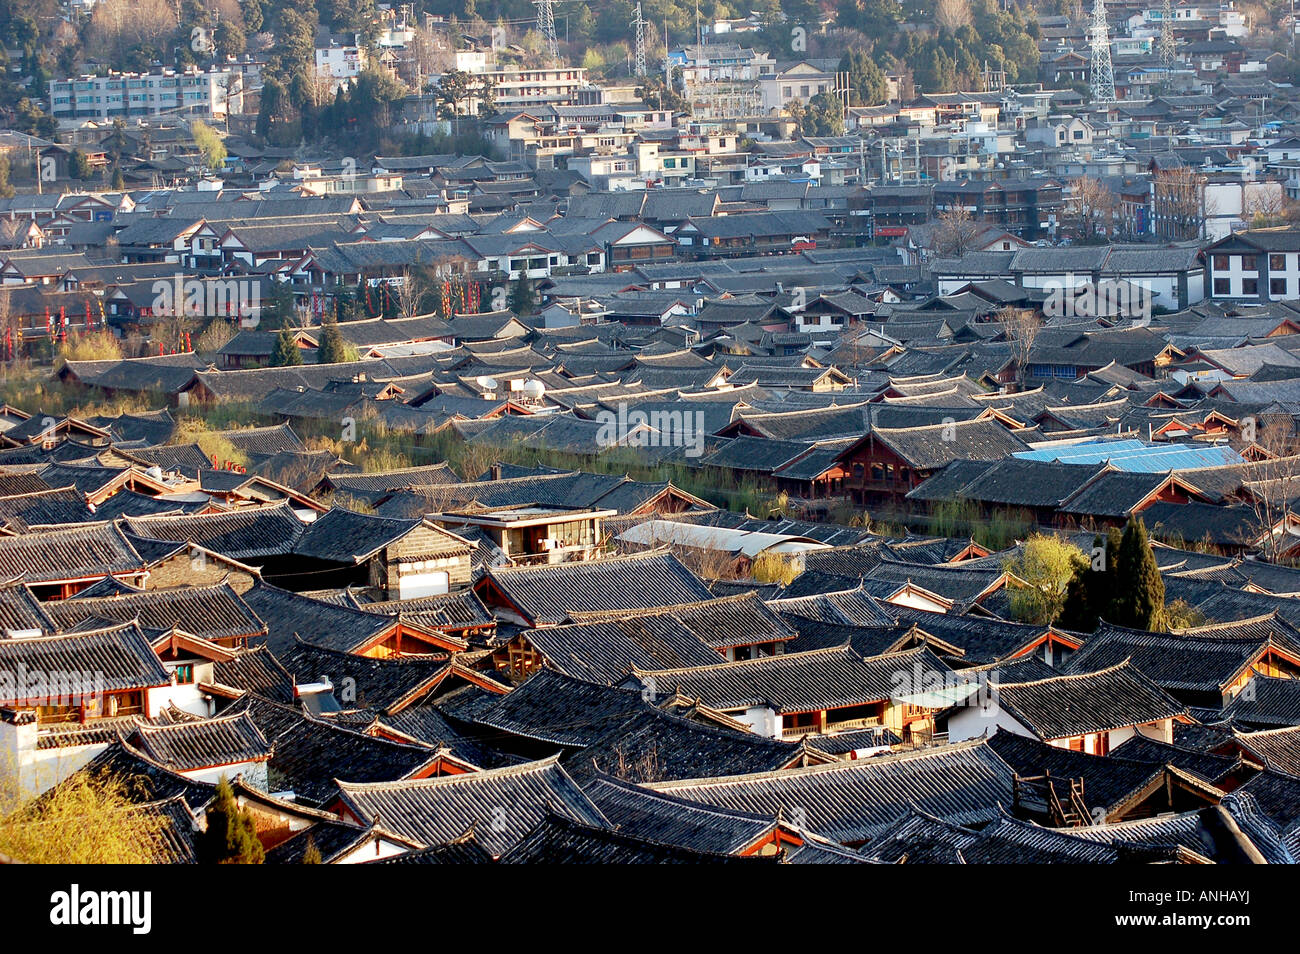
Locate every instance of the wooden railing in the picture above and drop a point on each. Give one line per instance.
(849, 725)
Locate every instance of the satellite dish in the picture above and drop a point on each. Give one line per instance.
(534, 389)
(487, 383)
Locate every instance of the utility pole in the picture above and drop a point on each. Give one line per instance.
(668, 63)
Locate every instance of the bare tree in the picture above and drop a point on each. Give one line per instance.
(1021, 327)
(1091, 208)
(1263, 204)
(644, 767)
(1277, 481)
(117, 25)
(850, 345)
(951, 14)
(1181, 206)
(427, 54)
(409, 293)
(955, 232)
(321, 89)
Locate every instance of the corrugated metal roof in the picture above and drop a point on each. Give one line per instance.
(1136, 456)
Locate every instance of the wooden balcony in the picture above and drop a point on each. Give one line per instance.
(831, 728)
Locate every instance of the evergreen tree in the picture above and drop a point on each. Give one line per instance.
(1140, 590)
(78, 165)
(280, 304)
(1090, 595)
(873, 17)
(286, 349)
(231, 836)
(522, 299)
(333, 349)
(824, 116)
(866, 79)
(345, 305)
(311, 856)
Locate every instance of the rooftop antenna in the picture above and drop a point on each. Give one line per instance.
(546, 27)
(639, 25)
(1103, 74)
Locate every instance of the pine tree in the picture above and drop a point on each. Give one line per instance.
(522, 300)
(231, 836)
(1140, 590)
(866, 79)
(345, 304)
(333, 349)
(1075, 615)
(281, 302)
(1090, 595)
(286, 349)
(311, 855)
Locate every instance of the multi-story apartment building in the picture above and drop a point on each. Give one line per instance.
(515, 88)
(1255, 265)
(722, 63)
(212, 94)
(1028, 208)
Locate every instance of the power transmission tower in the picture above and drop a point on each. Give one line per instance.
(1103, 74)
(639, 25)
(546, 27)
(1166, 43)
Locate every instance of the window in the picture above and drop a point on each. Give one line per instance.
(185, 674)
(1250, 286)
(1221, 286)
(1221, 263)
(1277, 286)
(1277, 263)
(1248, 263)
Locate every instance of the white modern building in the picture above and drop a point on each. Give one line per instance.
(213, 94)
(340, 63)
(1255, 265)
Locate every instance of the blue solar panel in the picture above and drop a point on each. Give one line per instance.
(1136, 456)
